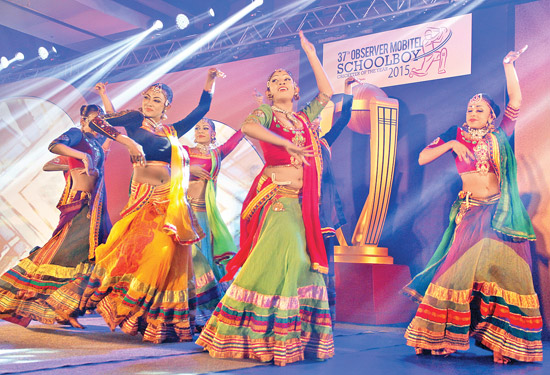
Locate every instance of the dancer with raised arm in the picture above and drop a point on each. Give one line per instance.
(478, 283)
(276, 309)
(143, 279)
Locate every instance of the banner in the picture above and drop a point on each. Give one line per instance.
(424, 52)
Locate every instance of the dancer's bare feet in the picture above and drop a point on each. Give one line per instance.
(73, 322)
(70, 320)
(441, 352)
(499, 358)
(112, 325)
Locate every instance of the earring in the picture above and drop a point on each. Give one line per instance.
(213, 139)
(490, 125)
(270, 95)
(296, 96)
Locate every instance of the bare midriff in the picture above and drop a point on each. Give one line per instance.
(197, 190)
(152, 174)
(480, 185)
(286, 175)
(83, 182)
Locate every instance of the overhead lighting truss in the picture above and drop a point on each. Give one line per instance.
(276, 31)
(279, 29)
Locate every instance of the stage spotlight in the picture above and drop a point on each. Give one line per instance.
(211, 12)
(157, 25)
(258, 2)
(182, 21)
(43, 53)
(4, 62)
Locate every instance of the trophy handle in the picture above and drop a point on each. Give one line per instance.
(384, 114)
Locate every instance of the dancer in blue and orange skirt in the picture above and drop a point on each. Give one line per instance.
(143, 279)
(217, 246)
(48, 285)
(478, 283)
(276, 309)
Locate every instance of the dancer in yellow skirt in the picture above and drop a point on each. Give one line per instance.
(143, 279)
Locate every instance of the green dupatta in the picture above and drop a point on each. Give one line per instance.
(510, 217)
(223, 247)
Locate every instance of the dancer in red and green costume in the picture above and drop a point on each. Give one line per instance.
(276, 309)
(478, 283)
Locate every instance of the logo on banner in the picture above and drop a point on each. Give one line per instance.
(433, 51)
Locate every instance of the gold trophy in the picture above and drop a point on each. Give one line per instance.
(371, 105)
(367, 281)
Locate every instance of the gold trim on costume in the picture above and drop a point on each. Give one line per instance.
(52, 270)
(260, 198)
(441, 293)
(288, 192)
(198, 204)
(153, 163)
(470, 201)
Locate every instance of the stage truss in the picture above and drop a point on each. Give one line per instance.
(278, 32)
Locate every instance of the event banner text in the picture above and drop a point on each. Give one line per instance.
(433, 50)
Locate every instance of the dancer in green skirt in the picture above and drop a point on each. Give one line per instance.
(277, 307)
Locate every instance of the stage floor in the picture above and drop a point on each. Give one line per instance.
(360, 349)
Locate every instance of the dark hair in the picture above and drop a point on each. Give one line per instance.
(210, 123)
(166, 90)
(490, 102)
(280, 70)
(86, 109)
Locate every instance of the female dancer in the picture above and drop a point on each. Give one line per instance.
(61, 163)
(217, 245)
(331, 211)
(478, 283)
(47, 286)
(276, 309)
(141, 278)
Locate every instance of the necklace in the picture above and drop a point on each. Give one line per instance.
(156, 127)
(203, 149)
(474, 133)
(296, 127)
(482, 147)
(290, 116)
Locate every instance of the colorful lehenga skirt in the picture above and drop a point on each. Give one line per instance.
(209, 291)
(143, 281)
(276, 309)
(205, 245)
(482, 289)
(53, 277)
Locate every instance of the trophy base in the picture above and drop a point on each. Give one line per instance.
(369, 254)
(370, 293)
